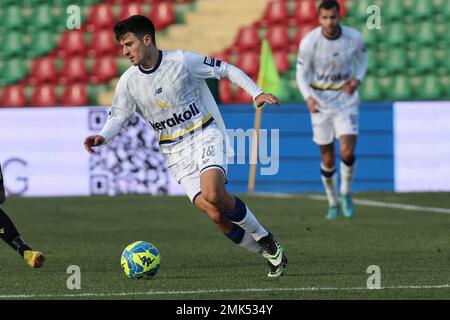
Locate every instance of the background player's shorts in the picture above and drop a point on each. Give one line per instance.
(206, 151)
(329, 125)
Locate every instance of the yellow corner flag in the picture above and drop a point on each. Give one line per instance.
(268, 77)
(269, 81)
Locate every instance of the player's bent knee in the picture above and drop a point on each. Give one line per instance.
(214, 197)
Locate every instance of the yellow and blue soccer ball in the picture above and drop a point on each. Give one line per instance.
(140, 260)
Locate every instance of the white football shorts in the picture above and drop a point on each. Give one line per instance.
(333, 124)
(207, 151)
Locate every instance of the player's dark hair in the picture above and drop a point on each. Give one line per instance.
(139, 25)
(328, 5)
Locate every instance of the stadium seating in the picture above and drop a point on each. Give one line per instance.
(72, 44)
(43, 96)
(305, 11)
(410, 49)
(73, 70)
(100, 17)
(12, 18)
(12, 44)
(247, 39)
(104, 69)
(278, 37)
(13, 96)
(75, 95)
(276, 14)
(14, 70)
(248, 62)
(162, 14)
(43, 70)
(102, 43)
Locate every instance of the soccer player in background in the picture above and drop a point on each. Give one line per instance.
(11, 236)
(168, 89)
(328, 83)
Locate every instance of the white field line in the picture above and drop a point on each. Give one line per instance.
(193, 292)
(362, 202)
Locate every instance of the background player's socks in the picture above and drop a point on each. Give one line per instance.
(242, 216)
(347, 172)
(329, 182)
(10, 235)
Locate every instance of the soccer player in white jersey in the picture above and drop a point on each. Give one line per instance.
(328, 81)
(168, 89)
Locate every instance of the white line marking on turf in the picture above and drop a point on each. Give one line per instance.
(363, 202)
(190, 292)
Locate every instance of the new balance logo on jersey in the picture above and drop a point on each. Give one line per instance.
(176, 119)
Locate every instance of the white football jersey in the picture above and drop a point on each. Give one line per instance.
(324, 65)
(173, 97)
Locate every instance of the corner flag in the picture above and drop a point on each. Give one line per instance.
(268, 77)
(269, 81)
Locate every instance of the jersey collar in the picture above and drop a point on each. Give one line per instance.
(155, 67)
(335, 37)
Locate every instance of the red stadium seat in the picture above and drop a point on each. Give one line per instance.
(249, 63)
(43, 71)
(122, 2)
(300, 34)
(278, 37)
(222, 56)
(281, 60)
(162, 15)
(100, 17)
(105, 68)
(130, 9)
(43, 96)
(247, 39)
(342, 8)
(305, 11)
(242, 97)
(103, 42)
(276, 13)
(71, 44)
(13, 96)
(225, 92)
(73, 70)
(75, 95)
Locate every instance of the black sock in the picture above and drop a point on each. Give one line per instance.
(10, 235)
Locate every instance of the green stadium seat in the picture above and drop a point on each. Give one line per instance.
(370, 89)
(12, 44)
(370, 36)
(41, 43)
(400, 88)
(422, 60)
(430, 88)
(394, 60)
(12, 18)
(357, 9)
(393, 34)
(14, 70)
(94, 90)
(41, 18)
(420, 9)
(372, 60)
(285, 92)
(424, 33)
(393, 10)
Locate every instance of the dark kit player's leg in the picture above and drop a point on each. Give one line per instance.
(11, 236)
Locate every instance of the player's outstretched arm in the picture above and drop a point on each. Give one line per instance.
(263, 98)
(93, 141)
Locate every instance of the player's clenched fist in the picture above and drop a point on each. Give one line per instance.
(93, 141)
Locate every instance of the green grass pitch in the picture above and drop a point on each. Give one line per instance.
(327, 260)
